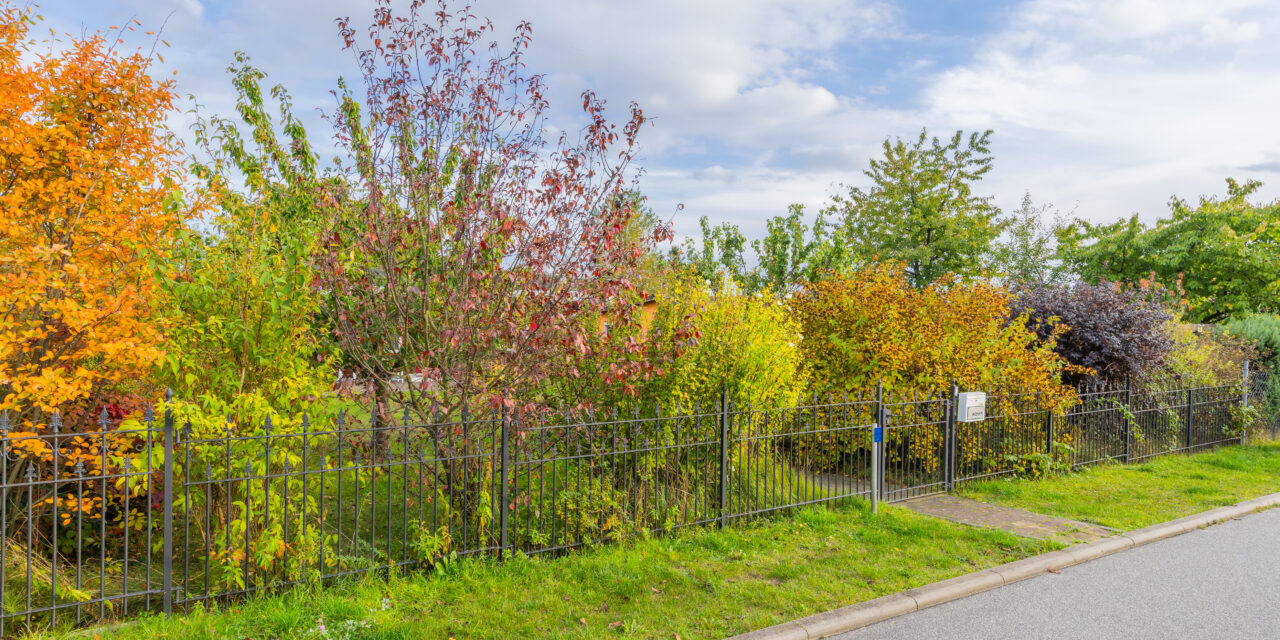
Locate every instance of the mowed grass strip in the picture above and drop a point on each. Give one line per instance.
(702, 583)
(1128, 497)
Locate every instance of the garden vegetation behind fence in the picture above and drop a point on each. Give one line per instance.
(156, 516)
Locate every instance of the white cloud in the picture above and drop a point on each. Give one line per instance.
(1111, 104)
(1118, 105)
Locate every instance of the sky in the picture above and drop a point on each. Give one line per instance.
(1102, 109)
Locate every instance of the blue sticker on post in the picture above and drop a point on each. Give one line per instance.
(878, 434)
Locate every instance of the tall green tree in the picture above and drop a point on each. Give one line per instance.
(1027, 253)
(721, 253)
(1222, 255)
(793, 252)
(920, 208)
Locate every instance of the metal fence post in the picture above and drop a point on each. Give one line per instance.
(1244, 401)
(166, 535)
(877, 449)
(504, 496)
(1128, 417)
(1190, 415)
(724, 457)
(1048, 432)
(950, 441)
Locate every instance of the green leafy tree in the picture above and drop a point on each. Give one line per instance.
(242, 320)
(1223, 254)
(791, 253)
(794, 253)
(720, 253)
(1028, 250)
(921, 209)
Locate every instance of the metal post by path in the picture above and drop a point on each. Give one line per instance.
(166, 536)
(724, 457)
(949, 447)
(504, 496)
(877, 448)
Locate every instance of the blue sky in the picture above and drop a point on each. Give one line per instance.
(1101, 108)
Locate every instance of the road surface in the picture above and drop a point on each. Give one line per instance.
(1218, 583)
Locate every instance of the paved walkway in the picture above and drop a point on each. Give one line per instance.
(1017, 521)
(1217, 583)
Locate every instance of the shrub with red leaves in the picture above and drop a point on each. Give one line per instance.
(1117, 333)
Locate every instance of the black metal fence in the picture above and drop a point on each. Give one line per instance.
(162, 517)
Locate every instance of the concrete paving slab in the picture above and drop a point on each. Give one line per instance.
(1015, 521)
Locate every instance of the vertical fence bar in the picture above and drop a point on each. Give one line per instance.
(166, 536)
(506, 476)
(724, 458)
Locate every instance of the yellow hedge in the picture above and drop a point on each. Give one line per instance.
(870, 325)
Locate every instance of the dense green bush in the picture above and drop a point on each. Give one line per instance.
(1263, 329)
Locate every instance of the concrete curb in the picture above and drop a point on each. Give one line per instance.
(859, 615)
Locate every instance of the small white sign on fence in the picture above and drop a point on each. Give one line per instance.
(971, 406)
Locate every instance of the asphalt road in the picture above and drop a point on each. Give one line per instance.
(1219, 583)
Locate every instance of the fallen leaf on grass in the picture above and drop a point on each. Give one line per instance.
(582, 620)
(615, 625)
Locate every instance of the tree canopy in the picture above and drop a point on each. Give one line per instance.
(921, 209)
(1222, 255)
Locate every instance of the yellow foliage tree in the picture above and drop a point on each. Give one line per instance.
(89, 184)
(745, 345)
(872, 326)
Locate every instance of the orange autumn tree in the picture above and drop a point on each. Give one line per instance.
(89, 184)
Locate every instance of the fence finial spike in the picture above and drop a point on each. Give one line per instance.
(79, 468)
(266, 424)
(31, 472)
(404, 417)
(4, 423)
(186, 429)
(306, 422)
(104, 419)
(149, 415)
(55, 423)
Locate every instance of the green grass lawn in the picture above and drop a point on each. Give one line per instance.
(696, 584)
(1134, 496)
